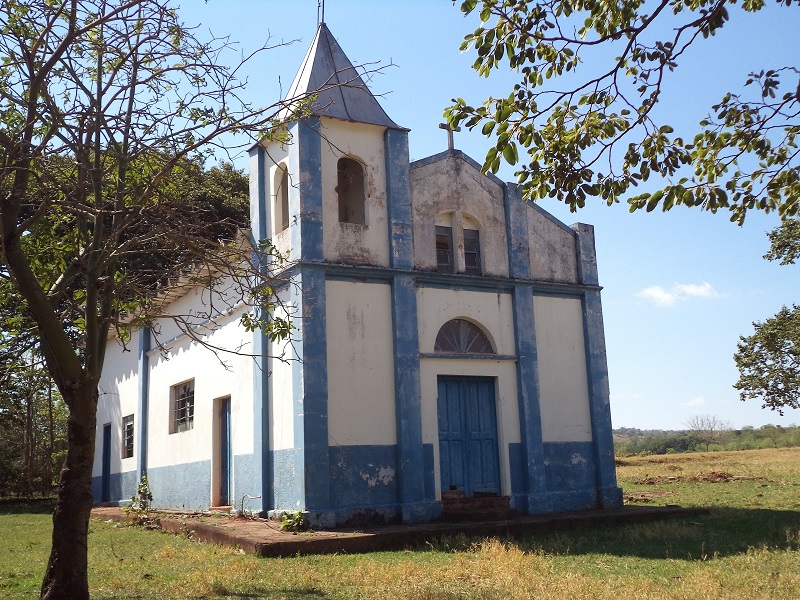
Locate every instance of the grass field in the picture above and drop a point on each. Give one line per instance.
(748, 546)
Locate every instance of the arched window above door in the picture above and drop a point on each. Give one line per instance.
(460, 336)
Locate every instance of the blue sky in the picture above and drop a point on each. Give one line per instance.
(679, 287)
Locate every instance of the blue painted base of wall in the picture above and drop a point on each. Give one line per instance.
(121, 486)
(573, 500)
(363, 487)
(363, 476)
(421, 512)
(185, 486)
(516, 463)
(610, 497)
(287, 483)
(569, 466)
(247, 482)
(429, 474)
(570, 480)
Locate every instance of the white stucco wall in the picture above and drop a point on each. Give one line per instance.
(563, 386)
(493, 312)
(275, 157)
(119, 395)
(361, 402)
(454, 193)
(350, 242)
(215, 375)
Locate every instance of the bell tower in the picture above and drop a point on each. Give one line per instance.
(333, 192)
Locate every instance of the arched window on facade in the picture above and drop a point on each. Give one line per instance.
(282, 200)
(460, 336)
(350, 190)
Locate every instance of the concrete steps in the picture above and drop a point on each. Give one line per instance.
(457, 506)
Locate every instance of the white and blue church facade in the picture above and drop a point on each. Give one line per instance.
(448, 340)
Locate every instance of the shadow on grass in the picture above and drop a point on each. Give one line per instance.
(721, 532)
(35, 506)
(283, 593)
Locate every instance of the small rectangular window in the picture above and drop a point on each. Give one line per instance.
(127, 436)
(444, 249)
(183, 407)
(472, 252)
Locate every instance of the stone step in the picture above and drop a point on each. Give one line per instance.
(456, 506)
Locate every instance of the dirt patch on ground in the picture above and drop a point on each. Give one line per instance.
(658, 480)
(710, 477)
(629, 497)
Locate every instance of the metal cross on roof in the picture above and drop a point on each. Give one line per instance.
(450, 130)
(320, 11)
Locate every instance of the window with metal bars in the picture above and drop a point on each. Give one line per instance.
(127, 436)
(183, 407)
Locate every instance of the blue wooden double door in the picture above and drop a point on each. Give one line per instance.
(468, 448)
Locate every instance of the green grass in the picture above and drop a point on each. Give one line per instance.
(747, 546)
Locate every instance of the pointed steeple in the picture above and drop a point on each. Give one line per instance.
(341, 93)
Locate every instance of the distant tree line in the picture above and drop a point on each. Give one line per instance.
(33, 429)
(630, 440)
(33, 414)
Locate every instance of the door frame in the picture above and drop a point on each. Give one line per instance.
(105, 472)
(469, 427)
(222, 453)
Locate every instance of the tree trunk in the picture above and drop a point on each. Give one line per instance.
(29, 448)
(47, 479)
(67, 573)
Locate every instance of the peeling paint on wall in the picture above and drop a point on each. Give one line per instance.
(382, 475)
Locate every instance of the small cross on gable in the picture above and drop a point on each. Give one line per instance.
(450, 130)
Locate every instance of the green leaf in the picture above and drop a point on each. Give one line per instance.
(510, 153)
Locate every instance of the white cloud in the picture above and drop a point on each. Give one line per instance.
(677, 292)
(700, 290)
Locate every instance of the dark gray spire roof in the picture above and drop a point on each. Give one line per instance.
(341, 93)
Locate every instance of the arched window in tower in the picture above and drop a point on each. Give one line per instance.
(459, 336)
(282, 200)
(350, 190)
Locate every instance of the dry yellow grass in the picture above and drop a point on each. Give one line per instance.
(739, 550)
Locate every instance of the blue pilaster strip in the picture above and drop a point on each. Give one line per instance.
(587, 256)
(519, 260)
(609, 495)
(308, 146)
(408, 403)
(398, 199)
(262, 476)
(528, 393)
(144, 398)
(313, 411)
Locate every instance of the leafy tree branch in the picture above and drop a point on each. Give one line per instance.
(592, 131)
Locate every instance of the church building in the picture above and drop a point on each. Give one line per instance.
(448, 344)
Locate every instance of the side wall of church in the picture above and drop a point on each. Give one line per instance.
(362, 429)
(564, 394)
(183, 467)
(118, 399)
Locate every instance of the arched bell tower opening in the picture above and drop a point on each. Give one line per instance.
(350, 191)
